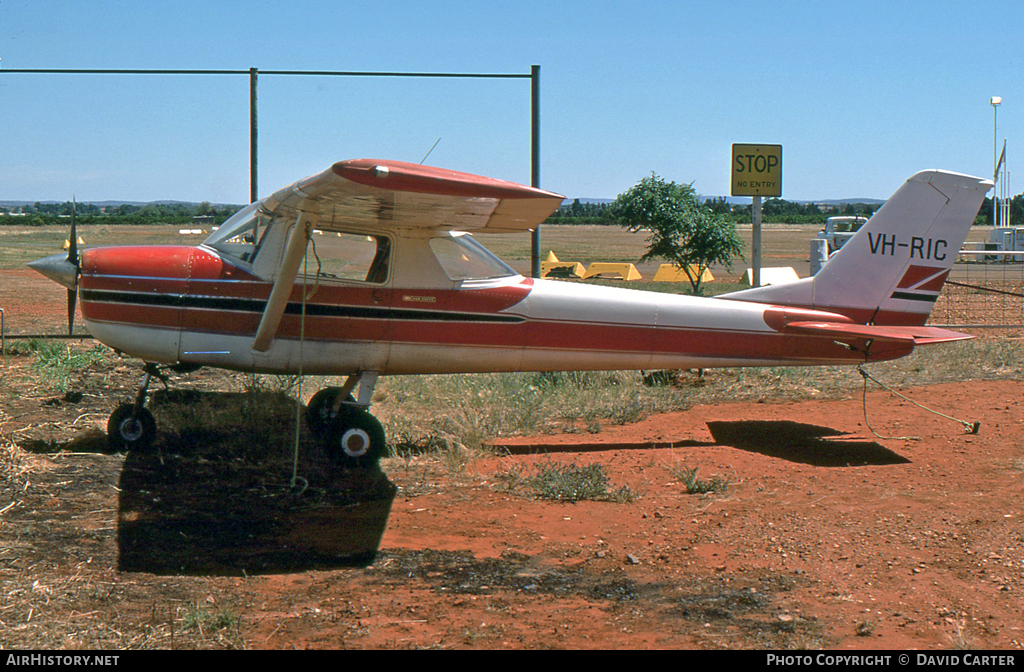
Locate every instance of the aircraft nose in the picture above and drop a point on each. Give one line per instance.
(57, 268)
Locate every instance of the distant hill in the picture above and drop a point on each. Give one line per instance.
(738, 200)
(745, 200)
(728, 199)
(109, 204)
(844, 201)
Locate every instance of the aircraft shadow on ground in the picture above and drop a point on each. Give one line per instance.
(784, 439)
(210, 501)
(800, 442)
(589, 447)
(219, 518)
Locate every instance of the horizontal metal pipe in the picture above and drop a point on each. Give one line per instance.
(327, 73)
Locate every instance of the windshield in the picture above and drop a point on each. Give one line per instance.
(238, 237)
(462, 258)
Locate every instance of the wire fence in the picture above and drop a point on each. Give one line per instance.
(984, 290)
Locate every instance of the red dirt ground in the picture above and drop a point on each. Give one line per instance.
(826, 537)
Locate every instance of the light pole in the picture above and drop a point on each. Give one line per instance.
(995, 102)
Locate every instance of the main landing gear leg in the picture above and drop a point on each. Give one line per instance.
(131, 426)
(343, 423)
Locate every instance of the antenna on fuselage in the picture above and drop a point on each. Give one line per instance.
(430, 150)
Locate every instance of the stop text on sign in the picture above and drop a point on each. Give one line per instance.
(756, 170)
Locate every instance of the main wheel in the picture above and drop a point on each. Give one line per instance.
(356, 438)
(130, 430)
(319, 410)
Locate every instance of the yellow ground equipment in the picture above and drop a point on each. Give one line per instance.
(673, 273)
(561, 269)
(551, 267)
(613, 270)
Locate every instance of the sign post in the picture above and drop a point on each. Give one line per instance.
(756, 172)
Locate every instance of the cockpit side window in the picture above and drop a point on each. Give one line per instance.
(344, 256)
(462, 258)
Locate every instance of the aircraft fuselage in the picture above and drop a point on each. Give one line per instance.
(189, 304)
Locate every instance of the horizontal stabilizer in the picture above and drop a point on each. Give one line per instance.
(902, 334)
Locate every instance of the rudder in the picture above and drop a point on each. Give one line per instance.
(891, 272)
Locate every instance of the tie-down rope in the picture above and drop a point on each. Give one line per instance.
(970, 427)
(298, 483)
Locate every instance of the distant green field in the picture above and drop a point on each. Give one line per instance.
(783, 245)
(20, 245)
(585, 244)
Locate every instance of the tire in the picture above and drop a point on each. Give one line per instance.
(356, 438)
(131, 431)
(318, 411)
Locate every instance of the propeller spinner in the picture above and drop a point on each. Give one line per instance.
(64, 269)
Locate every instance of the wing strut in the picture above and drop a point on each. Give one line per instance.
(278, 301)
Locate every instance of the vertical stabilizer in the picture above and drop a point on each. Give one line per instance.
(891, 272)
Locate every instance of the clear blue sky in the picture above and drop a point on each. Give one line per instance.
(861, 95)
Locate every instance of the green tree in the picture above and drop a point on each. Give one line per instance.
(682, 230)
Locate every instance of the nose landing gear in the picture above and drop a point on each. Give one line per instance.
(131, 427)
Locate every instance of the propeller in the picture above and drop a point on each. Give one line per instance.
(64, 269)
(73, 260)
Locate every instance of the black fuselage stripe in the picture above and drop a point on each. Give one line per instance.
(257, 306)
(907, 296)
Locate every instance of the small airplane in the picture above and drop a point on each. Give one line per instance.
(372, 268)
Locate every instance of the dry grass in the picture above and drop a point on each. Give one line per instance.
(76, 599)
(459, 413)
(564, 483)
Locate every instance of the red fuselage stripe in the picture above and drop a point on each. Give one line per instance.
(193, 290)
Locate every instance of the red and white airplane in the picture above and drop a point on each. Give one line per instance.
(372, 268)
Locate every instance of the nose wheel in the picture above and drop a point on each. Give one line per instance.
(130, 429)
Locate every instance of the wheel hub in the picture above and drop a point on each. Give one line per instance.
(131, 429)
(355, 442)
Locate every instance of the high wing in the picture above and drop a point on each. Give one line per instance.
(375, 194)
(371, 193)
